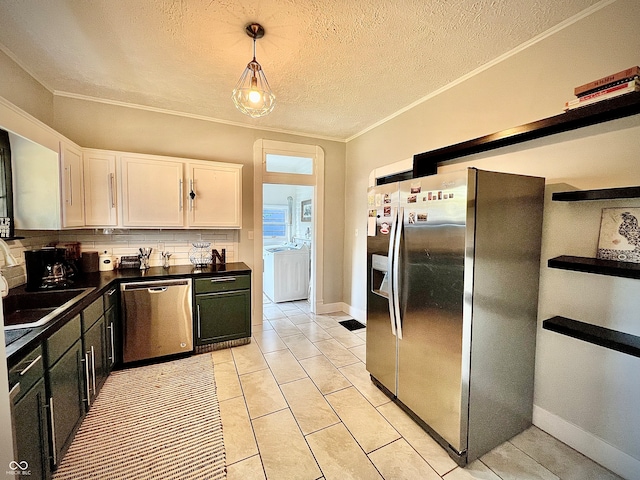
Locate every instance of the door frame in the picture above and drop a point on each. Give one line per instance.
(261, 148)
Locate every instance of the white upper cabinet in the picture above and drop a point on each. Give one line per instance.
(100, 190)
(214, 195)
(72, 186)
(153, 192)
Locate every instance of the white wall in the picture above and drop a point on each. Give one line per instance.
(583, 393)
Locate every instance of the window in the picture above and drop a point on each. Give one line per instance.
(288, 164)
(274, 222)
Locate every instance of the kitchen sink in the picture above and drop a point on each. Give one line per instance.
(34, 309)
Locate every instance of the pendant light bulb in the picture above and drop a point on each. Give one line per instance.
(253, 95)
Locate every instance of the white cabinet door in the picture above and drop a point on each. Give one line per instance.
(100, 199)
(214, 195)
(152, 192)
(72, 189)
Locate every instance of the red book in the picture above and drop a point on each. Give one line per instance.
(604, 82)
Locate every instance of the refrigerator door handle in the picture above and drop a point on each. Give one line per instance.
(395, 287)
(390, 266)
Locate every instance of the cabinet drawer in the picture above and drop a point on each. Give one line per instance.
(91, 314)
(62, 340)
(110, 298)
(224, 283)
(27, 372)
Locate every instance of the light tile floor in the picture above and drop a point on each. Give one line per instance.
(298, 403)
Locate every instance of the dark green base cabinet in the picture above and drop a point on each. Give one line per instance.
(29, 413)
(223, 309)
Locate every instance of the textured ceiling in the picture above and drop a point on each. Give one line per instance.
(336, 67)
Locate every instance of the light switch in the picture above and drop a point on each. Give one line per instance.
(250, 234)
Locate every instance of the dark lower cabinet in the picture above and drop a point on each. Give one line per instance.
(223, 316)
(66, 399)
(30, 430)
(222, 309)
(95, 358)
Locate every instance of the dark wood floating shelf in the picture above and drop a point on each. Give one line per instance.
(594, 265)
(602, 194)
(619, 107)
(605, 337)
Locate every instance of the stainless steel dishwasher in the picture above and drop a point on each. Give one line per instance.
(157, 319)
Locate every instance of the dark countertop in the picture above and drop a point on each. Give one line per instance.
(28, 338)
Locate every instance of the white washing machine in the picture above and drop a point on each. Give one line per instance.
(286, 272)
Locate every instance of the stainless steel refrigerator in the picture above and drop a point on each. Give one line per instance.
(453, 270)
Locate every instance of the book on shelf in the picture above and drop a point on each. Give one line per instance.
(611, 92)
(608, 81)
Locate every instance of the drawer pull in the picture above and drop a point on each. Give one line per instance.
(15, 390)
(35, 360)
(223, 279)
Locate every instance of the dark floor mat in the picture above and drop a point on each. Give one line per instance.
(352, 324)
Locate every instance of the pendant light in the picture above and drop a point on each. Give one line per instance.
(253, 95)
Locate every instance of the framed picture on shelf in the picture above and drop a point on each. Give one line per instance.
(305, 211)
(620, 235)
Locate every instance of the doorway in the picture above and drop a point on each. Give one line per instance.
(287, 237)
(288, 213)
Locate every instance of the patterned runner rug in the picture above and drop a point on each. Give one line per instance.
(155, 422)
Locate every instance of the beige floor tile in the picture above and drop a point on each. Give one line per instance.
(272, 312)
(227, 382)
(288, 307)
(269, 341)
(284, 327)
(326, 377)
(262, 325)
(334, 351)
(344, 336)
(511, 463)
(300, 318)
(284, 366)
(558, 457)
(476, 470)
(262, 393)
(365, 423)
(400, 461)
(249, 469)
(326, 321)
(221, 356)
(314, 332)
(362, 333)
(284, 451)
(301, 346)
(239, 440)
(308, 405)
(339, 316)
(360, 352)
(420, 440)
(248, 358)
(339, 455)
(357, 374)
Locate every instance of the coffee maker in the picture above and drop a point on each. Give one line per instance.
(47, 268)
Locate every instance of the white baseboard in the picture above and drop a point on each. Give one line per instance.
(358, 314)
(331, 307)
(588, 444)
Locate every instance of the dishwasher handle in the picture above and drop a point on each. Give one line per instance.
(154, 287)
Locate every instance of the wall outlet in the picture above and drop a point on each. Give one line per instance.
(250, 234)
(160, 246)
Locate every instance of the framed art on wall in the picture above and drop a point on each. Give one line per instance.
(305, 211)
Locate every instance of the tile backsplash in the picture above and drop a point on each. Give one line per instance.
(118, 243)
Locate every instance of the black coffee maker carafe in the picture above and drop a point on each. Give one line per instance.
(47, 269)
